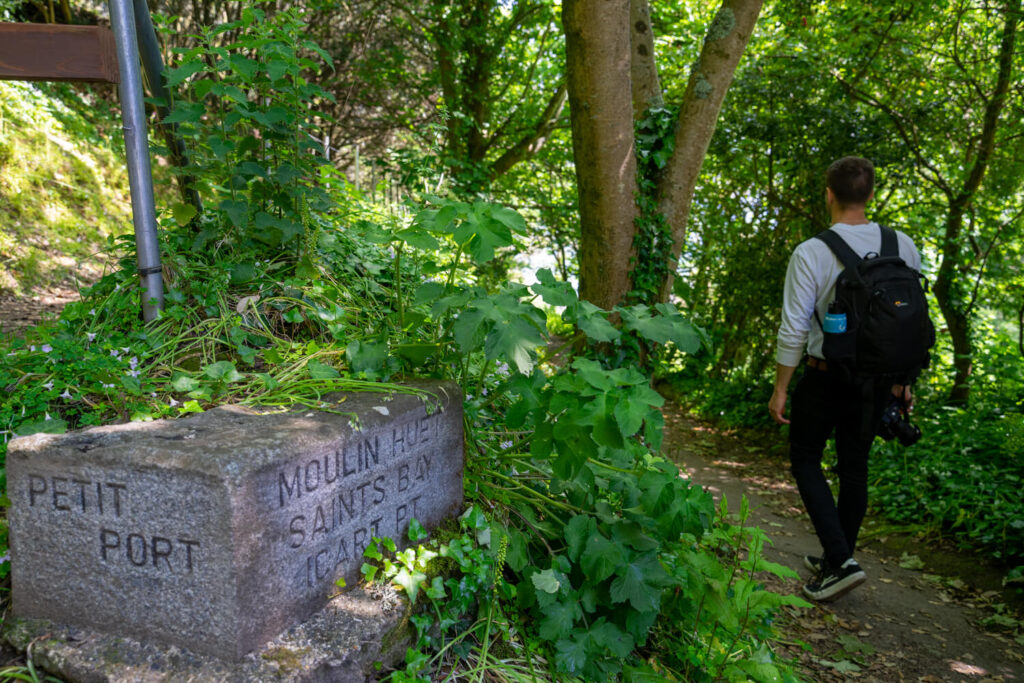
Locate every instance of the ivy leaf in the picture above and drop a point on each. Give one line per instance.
(410, 581)
(600, 558)
(559, 619)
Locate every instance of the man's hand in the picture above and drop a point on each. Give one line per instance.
(903, 391)
(777, 406)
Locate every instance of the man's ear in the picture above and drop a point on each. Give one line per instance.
(830, 197)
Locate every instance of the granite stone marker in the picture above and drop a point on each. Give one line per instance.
(217, 532)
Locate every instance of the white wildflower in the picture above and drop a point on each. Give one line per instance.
(505, 445)
(46, 417)
(90, 335)
(49, 385)
(133, 362)
(114, 353)
(46, 348)
(66, 395)
(92, 311)
(173, 402)
(32, 348)
(125, 349)
(133, 373)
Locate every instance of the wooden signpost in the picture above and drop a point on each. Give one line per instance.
(50, 52)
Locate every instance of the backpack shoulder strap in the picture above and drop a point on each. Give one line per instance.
(890, 243)
(840, 248)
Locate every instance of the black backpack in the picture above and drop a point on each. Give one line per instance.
(888, 331)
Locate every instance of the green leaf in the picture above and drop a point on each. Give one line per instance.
(416, 531)
(571, 654)
(594, 324)
(546, 581)
(554, 292)
(367, 357)
(318, 370)
(420, 239)
(237, 212)
(410, 581)
(179, 73)
(51, 426)
(559, 620)
(223, 370)
(635, 583)
(577, 531)
(600, 558)
(513, 340)
(184, 384)
(612, 638)
(183, 213)
(369, 572)
(242, 272)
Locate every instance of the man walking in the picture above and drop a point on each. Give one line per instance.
(825, 402)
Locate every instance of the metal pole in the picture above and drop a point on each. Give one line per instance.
(153, 67)
(140, 178)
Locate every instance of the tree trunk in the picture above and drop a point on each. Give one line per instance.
(724, 44)
(954, 304)
(597, 47)
(646, 87)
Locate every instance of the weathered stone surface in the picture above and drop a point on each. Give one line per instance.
(217, 532)
(339, 644)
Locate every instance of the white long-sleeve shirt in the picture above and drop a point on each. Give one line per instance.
(811, 283)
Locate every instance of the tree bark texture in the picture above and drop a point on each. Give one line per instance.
(597, 46)
(643, 68)
(954, 305)
(724, 44)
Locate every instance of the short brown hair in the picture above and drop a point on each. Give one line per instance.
(852, 180)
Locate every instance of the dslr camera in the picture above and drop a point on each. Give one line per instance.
(896, 424)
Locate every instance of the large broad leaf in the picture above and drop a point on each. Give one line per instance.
(612, 638)
(577, 531)
(559, 620)
(554, 292)
(600, 558)
(594, 323)
(571, 654)
(639, 582)
(514, 341)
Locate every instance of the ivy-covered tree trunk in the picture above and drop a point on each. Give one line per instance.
(597, 50)
(726, 39)
(611, 75)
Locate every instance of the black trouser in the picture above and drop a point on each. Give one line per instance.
(822, 404)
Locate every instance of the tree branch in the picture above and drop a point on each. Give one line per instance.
(532, 142)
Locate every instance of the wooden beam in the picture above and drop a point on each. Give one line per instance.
(51, 52)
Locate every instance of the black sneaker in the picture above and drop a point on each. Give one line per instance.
(814, 563)
(830, 583)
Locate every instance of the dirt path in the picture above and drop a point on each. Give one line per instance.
(902, 625)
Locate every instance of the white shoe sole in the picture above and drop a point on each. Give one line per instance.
(838, 589)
